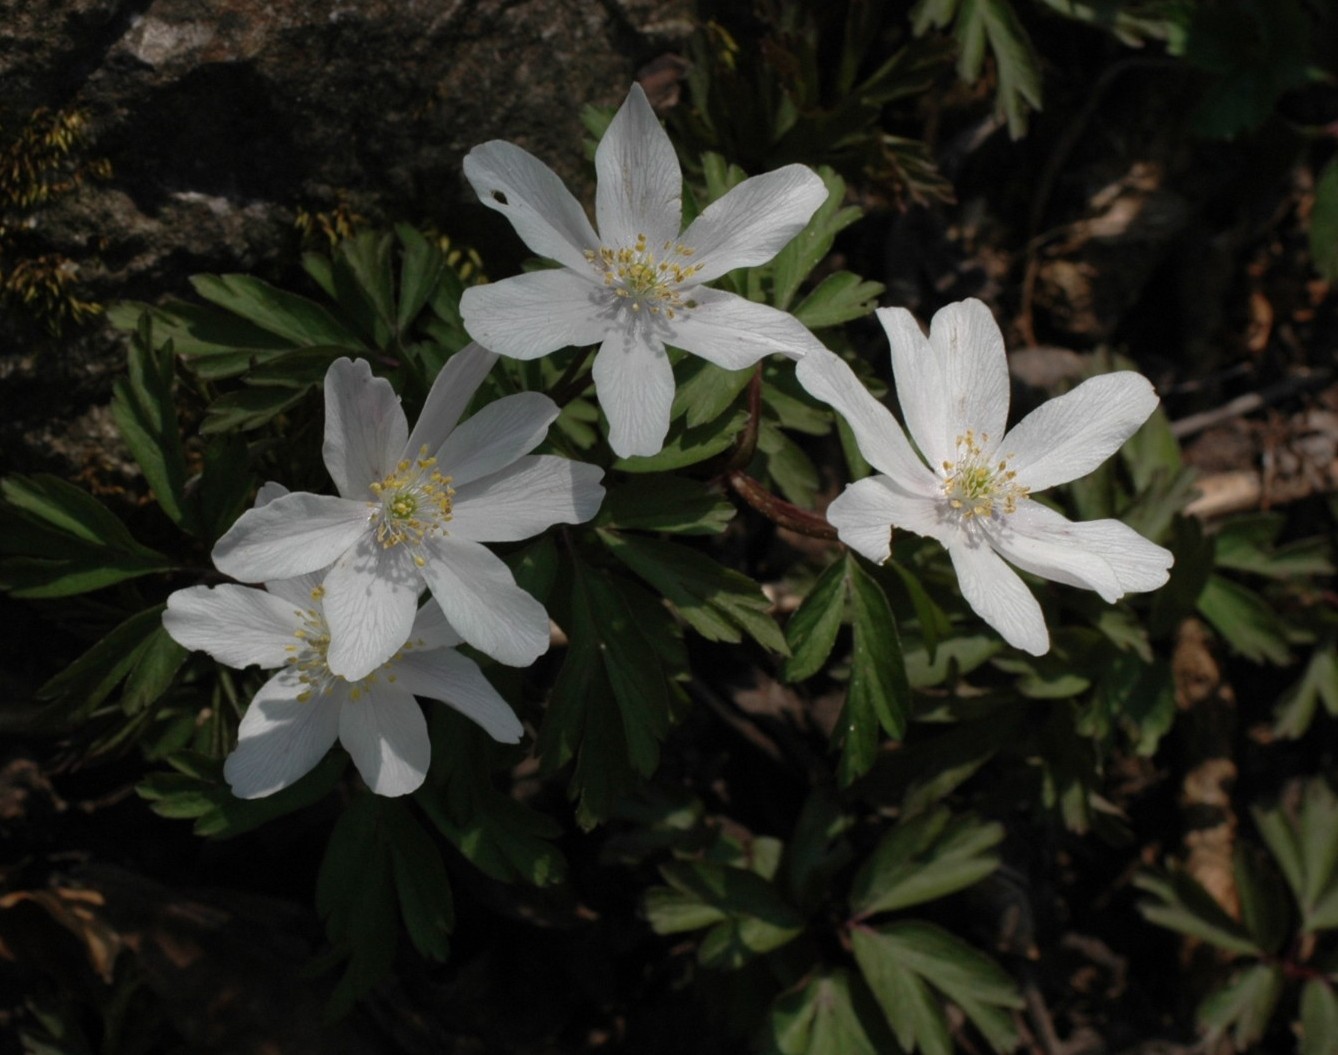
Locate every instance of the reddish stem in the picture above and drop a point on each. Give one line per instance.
(777, 510)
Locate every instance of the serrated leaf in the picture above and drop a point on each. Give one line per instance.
(966, 976)
(1244, 1005)
(287, 315)
(69, 510)
(1183, 905)
(687, 446)
(91, 678)
(422, 268)
(217, 342)
(1319, 683)
(838, 298)
(249, 408)
(811, 631)
(719, 603)
(879, 693)
(671, 504)
(819, 1019)
(810, 246)
(145, 414)
(923, 858)
(365, 286)
(705, 391)
(913, 1013)
(1319, 1018)
(1245, 619)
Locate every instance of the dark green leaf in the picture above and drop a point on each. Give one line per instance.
(424, 891)
(687, 446)
(838, 298)
(1245, 619)
(1244, 1005)
(819, 1019)
(665, 503)
(1319, 1018)
(299, 320)
(811, 631)
(1324, 222)
(249, 408)
(1184, 906)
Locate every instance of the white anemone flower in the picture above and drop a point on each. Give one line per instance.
(414, 509)
(639, 283)
(975, 494)
(298, 714)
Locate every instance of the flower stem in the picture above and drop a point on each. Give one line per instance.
(777, 510)
(747, 445)
(570, 385)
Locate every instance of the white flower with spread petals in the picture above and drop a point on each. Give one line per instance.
(415, 509)
(974, 495)
(303, 709)
(639, 283)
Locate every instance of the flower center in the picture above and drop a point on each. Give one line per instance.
(638, 276)
(414, 502)
(976, 486)
(309, 656)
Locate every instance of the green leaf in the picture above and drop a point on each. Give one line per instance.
(1245, 619)
(217, 343)
(879, 694)
(145, 414)
(422, 268)
(355, 895)
(498, 835)
(1244, 1005)
(964, 975)
(819, 1019)
(705, 391)
(1319, 1018)
(1264, 908)
(810, 246)
(811, 631)
(91, 678)
(197, 792)
(421, 884)
(287, 315)
(249, 408)
(926, 857)
(226, 485)
(1183, 905)
(1301, 841)
(911, 1009)
(157, 661)
(840, 297)
(788, 465)
(1324, 222)
(70, 511)
(665, 503)
(687, 446)
(365, 286)
(1319, 683)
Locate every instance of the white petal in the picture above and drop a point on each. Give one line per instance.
(526, 498)
(383, 730)
(431, 630)
(281, 738)
(754, 221)
(922, 392)
(998, 596)
(496, 436)
(1136, 564)
(539, 312)
(635, 384)
(451, 392)
(481, 600)
(292, 535)
(365, 428)
(1040, 541)
(865, 513)
(826, 376)
(371, 598)
(733, 333)
(445, 675)
(297, 590)
(269, 490)
(530, 194)
(1071, 435)
(640, 189)
(237, 625)
(974, 366)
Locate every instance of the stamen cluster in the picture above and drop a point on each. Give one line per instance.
(636, 275)
(415, 501)
(974, 484)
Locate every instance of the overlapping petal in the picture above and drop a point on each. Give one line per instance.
(640, 186)
(457, 682)
(636, 389)
(999, 597)
(382, 729)
(365, 429)
(292, 535)
(371, 599)
(237, 625)
(733, 332)
(753, 221)
(481, 600)
(496, 436)
(529, 496)
(536, 313)
(1070, 435)
(865, 513)
(451, 392)
(281, 738)
(533, 197)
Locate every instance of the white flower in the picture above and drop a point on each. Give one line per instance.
(299, 713)
(415, 508)
(974, 495)
(638, 284)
